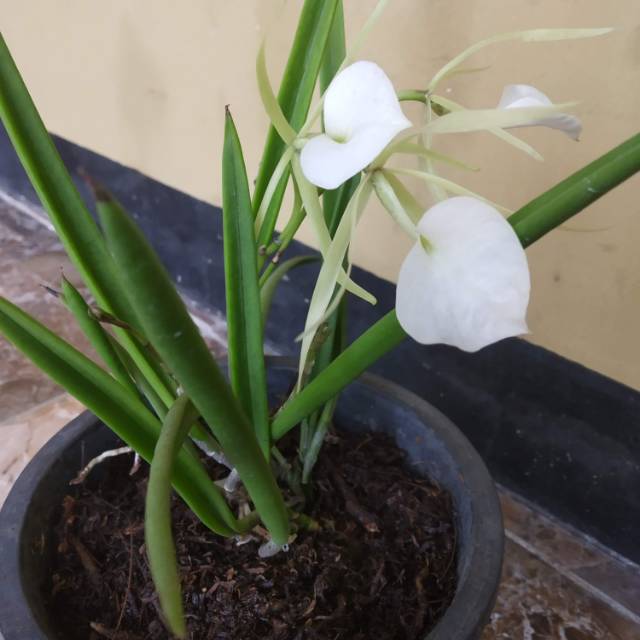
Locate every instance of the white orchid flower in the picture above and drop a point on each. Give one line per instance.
(470, 287)
(362, 115)
(516, 96)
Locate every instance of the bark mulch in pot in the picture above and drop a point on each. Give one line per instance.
(383, 564)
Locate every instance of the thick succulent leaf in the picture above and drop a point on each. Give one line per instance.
(244, 318)
(160, 547)
(67, 211)
(55, 188)
(97, 336)
(72, 221)
(576, 192)
(116, 407)
(175, 337)
(380, 338)
(295, 94)
(335, 51)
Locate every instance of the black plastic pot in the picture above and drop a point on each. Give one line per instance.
(434, 446)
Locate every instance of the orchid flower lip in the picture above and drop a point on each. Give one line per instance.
(362, 115)
(472, 288)
(515, 96)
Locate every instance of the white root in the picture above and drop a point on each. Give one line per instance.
(112, 453)
(270, 549)
(232, 482)
(136, 464)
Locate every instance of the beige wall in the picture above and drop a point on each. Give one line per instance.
(145, 82)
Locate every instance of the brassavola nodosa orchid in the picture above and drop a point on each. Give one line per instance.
(520, 96)
(361, 115)
(469, 286)
(466, 281)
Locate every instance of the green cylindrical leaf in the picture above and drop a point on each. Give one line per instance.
(55, 188)
(296, 92)
(244, 317)
(578, 191)
(369, 347)
(114, 405)
(96, 335)
(335, 50)
(161, 550)
(171, 331)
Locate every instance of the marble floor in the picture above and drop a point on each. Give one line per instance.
(556, 583)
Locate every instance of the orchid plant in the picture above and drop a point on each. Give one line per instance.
(464, 283)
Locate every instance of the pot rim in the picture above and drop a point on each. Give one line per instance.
(464, 618)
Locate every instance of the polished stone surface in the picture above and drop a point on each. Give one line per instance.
(30, 257)
(32, 407)
(24, 435)
(557, 583)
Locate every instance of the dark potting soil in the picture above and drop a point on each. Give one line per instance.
(383, 564)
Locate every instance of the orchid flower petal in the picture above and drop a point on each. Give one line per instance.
(471, 288)
(517, 96)
(362, 115)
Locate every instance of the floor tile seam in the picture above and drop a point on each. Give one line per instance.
(574, 578)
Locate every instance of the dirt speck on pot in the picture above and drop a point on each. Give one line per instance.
(383, 564)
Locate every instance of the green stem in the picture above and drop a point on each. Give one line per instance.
(530, 223)
(383, 336)
(578, 191)
(414, 95)
(278, 246)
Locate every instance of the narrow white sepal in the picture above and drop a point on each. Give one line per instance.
(472, 288)
(362, 115)
(516, 96)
